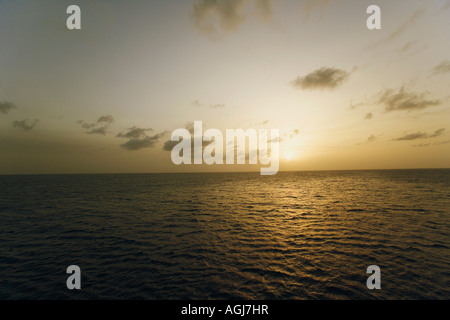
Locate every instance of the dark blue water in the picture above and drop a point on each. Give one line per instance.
(296, 235)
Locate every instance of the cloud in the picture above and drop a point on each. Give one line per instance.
(106, 119)
(101, 130)
(6, 107)
(443, 67)
(402, 28)
(309, 5)
(25, 125)
(437, 133)
(216, 17)
(397, 100)
(323, 78)
(196, 103)
(413, 136)
(368, 116)
(87, 125)
(134, 132)
(405, 26)
(431, 144)
(138, 138)
(217, 106)
(420, 135)
(99, 127)
(372, 138)
(169, 144)
(290, 134)
(264, 8)
(354, 106)
(441, 143)
(408, 46)
(140, 143)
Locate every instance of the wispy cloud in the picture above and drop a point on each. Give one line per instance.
(6, 107)
(228, 13)
(408, 46)
(420, 135)
(401, 99)
(402, 28)
(138, 138)
(99, 127)
(134, 132)
(217, 106)
(443, 67)
(25, 125)
(431, 144)
(355, 105)
(308, 6)
(410, 21)
(198, 104)
(323, 78)
(216, 17)
(264, 8)
(372, 138)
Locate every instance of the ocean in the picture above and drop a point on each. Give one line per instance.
(295, 235)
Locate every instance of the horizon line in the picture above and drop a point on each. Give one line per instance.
(212, 172)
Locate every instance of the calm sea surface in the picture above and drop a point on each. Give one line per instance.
(296, 235)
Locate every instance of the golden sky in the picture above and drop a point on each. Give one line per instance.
(105, 99)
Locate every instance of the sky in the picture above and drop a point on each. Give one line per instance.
(106, 98)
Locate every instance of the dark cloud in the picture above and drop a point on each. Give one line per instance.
(25, 125)
(437, 133)
(87, 125)
(99, 127)
(443, 67)
(106, 119)
(140, 143)
(216, 17)
(134, 133)
(397, 100)
(6, 107)
(138, 138)
(420, 135)
(413, 136)
(101, 130)
(368, 116)
(323, 78)
(169, 144)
